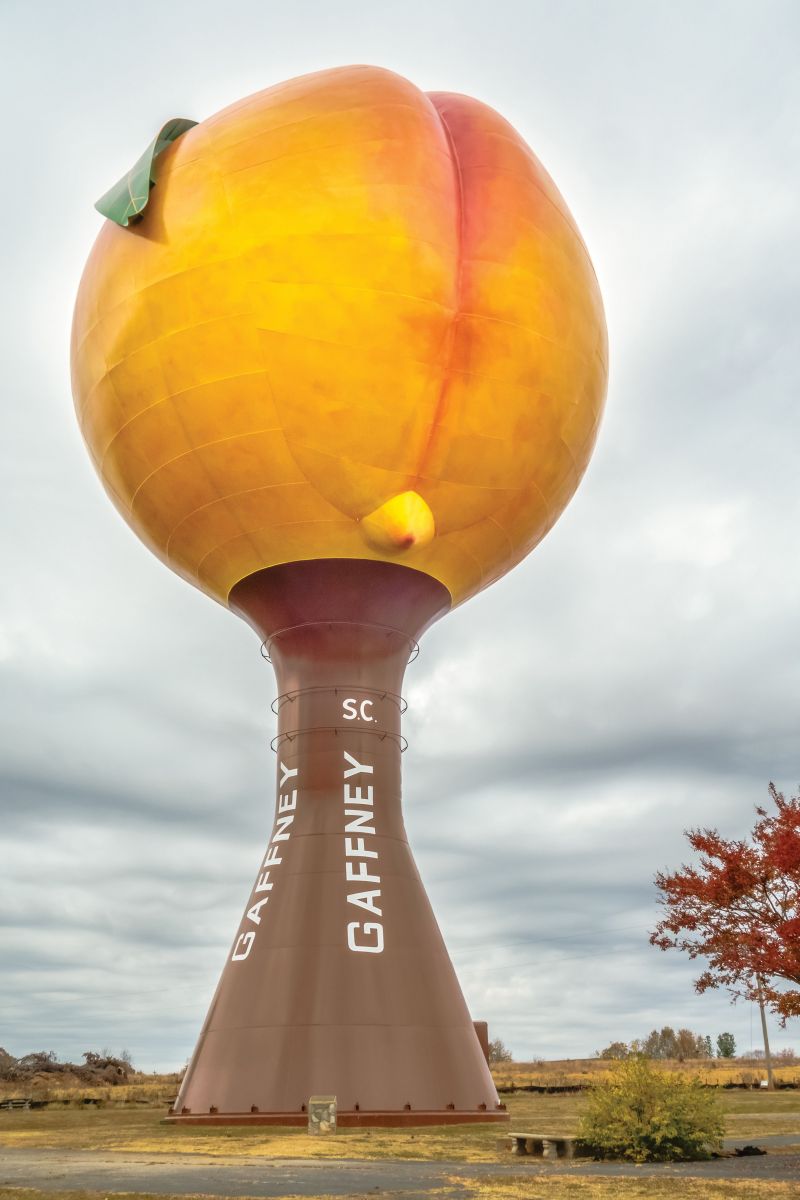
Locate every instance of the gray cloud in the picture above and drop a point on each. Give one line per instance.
(637, 675)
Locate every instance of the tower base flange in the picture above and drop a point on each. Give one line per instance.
(345, 1120)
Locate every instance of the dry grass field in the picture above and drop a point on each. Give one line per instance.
(716, 1072)
(136, 1128)
(159, 1090)
(145, 1090)
(129, 1119)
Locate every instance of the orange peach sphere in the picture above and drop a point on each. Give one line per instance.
(355, 320)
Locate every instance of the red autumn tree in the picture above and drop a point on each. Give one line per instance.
(739, 908)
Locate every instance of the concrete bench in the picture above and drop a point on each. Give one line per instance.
(545, 1145)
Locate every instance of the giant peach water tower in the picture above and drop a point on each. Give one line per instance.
(339, 358)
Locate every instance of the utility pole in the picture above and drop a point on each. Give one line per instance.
(767, 1055)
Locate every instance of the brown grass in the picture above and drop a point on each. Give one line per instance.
(149, 1090)
(748, 1114)
(570, 1071)
(683, 1188)
(157, 1090)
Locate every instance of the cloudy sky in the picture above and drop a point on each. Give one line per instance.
(638, 674)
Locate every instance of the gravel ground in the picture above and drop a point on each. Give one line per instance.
(169, 1173)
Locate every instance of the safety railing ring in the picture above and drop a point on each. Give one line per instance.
(346, 690)
(382, 734)
(389, 630)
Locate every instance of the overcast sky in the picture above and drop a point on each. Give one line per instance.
(639, 673)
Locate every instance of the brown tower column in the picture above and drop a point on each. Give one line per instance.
(338, 981)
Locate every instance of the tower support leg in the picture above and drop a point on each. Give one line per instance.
(338, 981)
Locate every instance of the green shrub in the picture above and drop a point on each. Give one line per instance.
(644, 1114)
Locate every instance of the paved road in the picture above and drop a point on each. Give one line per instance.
(172, 1173)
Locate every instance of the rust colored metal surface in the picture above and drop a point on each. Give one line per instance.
(338, 981)
(349, 1120)
(482, 1033)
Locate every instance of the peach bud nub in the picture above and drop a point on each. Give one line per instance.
(399, 523)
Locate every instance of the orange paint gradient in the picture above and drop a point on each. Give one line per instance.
(343, 290)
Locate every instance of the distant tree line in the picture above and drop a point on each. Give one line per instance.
(666, 1043)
